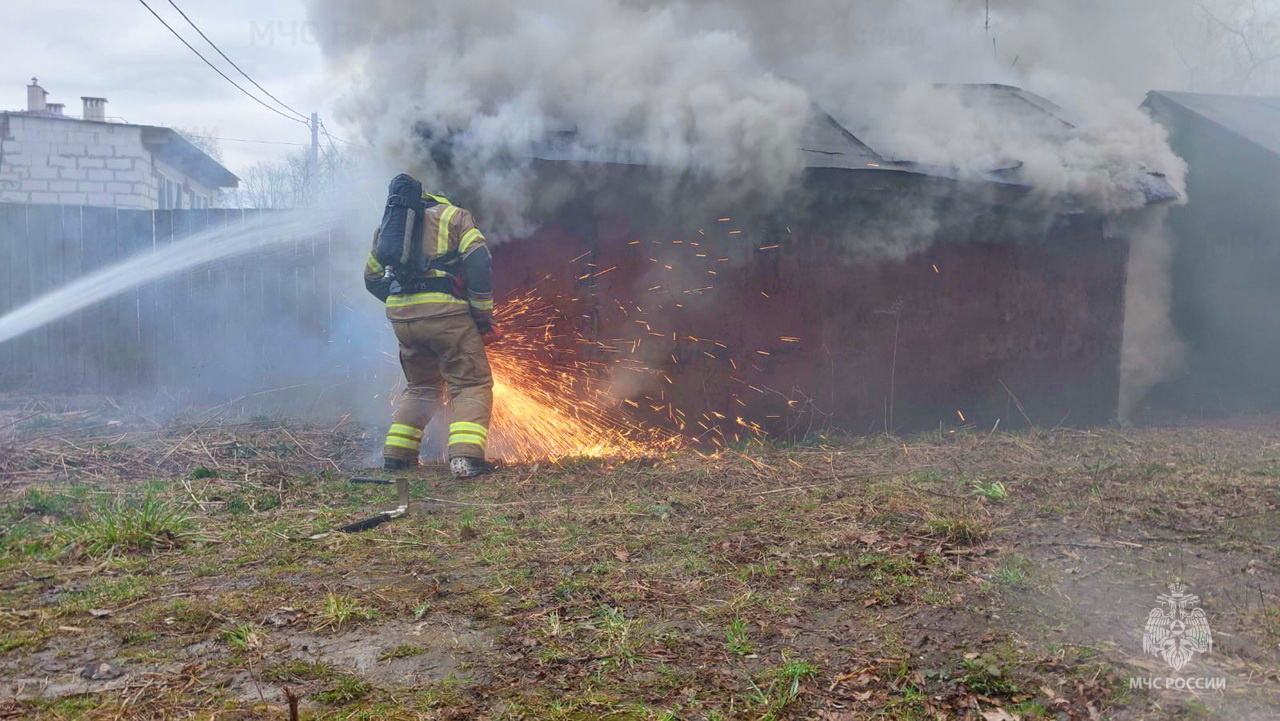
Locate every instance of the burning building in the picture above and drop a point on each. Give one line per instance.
(878, 294)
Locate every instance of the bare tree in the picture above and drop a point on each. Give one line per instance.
(204, 140)
(1232, 46)
(288, 182)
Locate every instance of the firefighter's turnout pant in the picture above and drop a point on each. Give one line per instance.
(443, 351)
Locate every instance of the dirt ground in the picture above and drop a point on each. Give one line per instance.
(164, 570)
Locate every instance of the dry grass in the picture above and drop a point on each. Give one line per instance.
(837, 579)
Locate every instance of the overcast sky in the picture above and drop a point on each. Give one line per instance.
(116, 49)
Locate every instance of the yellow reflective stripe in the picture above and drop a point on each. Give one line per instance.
(468, 238)
(437, 274)
(465, 427)
(401, 429)
(442, 233)
(401, 301)
(398, 442)
(373, 264)
(463, 439)
(481, 304)
(438, 198)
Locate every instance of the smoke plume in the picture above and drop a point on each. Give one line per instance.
(1152, 349)
(723, 90)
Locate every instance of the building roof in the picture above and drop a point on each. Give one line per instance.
(169, 145)
(166, 144)
(1017, 104)
(1254, 118)
(827, 145)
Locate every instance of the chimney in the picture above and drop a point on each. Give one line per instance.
(36, 97)
(55, 108)
(95, 108)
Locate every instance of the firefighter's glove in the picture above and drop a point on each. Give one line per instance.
(490, 334)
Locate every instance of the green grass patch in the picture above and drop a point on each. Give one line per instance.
(337, 611)
(987, 676)
(1014, 571)
(738, 638)
(244, 637)
(770, 702)
(128, 526)
(347, 690)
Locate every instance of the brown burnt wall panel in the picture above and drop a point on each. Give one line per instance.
(808, 336)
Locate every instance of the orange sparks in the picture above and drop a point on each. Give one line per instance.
(546, 407)
(962, 418)
(935, 269)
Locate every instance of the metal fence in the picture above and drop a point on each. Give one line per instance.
(207, 331)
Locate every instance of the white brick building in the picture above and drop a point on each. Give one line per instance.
(47, 157)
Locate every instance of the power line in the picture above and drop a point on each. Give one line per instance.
(333, 149)
(334, 137)
(229, 60)
(255, 98)
(244, 140)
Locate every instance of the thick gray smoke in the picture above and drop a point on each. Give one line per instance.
(485, 80)
(1151, 350)
(723, 89)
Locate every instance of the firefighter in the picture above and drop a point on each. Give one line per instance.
(443, 320)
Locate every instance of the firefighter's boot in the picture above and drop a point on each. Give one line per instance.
(466, 467)
(398, 464)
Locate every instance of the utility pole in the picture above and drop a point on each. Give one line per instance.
(986, 25)
(313, 158)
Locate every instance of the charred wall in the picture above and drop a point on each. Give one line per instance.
(785, 320)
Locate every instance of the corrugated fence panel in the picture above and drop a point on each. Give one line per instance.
(201, 331)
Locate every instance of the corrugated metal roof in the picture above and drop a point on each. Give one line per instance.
(1256, 119)
(827, 144)
(1016, 104)
(824, 142)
